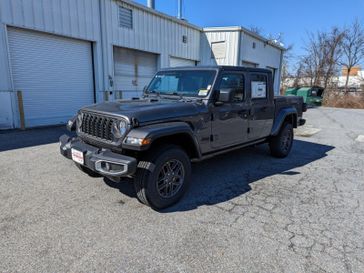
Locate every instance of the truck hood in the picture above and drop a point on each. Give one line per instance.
(147, 110)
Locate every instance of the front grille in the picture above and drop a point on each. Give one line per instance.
(97, 126)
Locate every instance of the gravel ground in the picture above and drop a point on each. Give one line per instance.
(245, 211)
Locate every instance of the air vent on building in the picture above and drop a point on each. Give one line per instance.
(125, 17)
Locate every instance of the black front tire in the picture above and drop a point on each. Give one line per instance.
(151, 181)
(281, 145)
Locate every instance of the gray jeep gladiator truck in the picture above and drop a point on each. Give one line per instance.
(185, 115)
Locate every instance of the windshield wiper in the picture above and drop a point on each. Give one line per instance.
(175, 93)
(154, 92)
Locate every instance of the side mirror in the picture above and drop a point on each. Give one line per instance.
(225, 95)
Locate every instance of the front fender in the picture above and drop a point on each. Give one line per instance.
(156, 131)
(283, 113)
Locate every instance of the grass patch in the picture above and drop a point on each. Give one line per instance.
(343, 100)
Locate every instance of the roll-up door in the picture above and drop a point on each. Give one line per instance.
(175, 62)
(54, 73)
(133, 70)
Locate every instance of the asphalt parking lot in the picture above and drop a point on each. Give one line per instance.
(245, 211)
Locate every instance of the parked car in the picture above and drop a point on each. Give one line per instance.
(312, 95)
(186, 115)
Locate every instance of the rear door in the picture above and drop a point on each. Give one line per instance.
(230, 120)
(262, 105)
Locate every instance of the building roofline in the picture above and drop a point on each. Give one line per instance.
(160, 14)
(206, 29)
(245, 30)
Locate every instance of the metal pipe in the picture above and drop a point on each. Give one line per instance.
(21, 109)
(180, 4)
(151, 4)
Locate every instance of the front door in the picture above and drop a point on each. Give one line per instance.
(230, 120)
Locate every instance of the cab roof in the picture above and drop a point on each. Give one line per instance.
(218, 67)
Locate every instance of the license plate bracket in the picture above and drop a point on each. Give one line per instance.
(78, 156)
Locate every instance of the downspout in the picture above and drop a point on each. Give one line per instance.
(103, 45)
(13, 98)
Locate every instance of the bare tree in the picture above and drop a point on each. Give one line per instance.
(320, 62)
(286, 74)
(333, 52)
(352, 49)
(256, 30)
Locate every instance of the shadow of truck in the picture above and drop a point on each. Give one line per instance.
(227, 176)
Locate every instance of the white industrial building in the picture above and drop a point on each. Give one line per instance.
(64, 54)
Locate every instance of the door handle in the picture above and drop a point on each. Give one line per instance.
(243, 114)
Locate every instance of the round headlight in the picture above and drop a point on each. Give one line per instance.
(79, 120)
(123, 125)
(120, 128)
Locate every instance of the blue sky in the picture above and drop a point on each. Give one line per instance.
(293, 18)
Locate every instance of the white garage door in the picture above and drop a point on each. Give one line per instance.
(133, 70)
(175, 62)
(54, 73)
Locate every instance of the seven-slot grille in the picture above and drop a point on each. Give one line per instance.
(97, 126)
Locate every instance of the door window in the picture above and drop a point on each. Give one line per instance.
(258, 86)
(233, 81)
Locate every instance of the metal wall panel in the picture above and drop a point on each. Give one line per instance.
(152, 33)
(75, 18)
(240, 51)
(265, 55)
(54, 73)
(231, 39)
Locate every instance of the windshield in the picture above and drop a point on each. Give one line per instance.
(193, 83)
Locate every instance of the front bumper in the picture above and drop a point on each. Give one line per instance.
(102, 161)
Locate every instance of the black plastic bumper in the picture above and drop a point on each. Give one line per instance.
(102, 161)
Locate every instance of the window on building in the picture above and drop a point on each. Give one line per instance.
(218, 50)
(125, 17)
(233, 81)
(254, 45)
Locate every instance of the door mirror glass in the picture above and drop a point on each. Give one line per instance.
(231, 87)
(226, 95)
